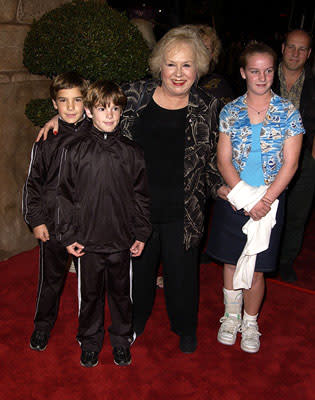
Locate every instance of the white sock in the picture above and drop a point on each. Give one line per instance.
(250, 318)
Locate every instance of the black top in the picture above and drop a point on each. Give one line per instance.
(102, 194)
(161, 133)
(39, 192)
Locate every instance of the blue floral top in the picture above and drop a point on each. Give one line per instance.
(282, 121)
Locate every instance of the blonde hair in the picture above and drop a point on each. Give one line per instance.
(205, 31)
(183, 34)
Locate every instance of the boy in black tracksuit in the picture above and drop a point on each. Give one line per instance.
(39, 200)
(102, 217)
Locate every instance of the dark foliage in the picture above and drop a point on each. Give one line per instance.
(88, 37)
(39, 111)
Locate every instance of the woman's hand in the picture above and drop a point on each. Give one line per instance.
(51, 124)
(259, 210)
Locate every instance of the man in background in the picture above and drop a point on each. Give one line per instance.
(296, 83)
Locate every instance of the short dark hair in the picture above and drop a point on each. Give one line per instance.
(103, 92)
(254, 47)
(68, 80)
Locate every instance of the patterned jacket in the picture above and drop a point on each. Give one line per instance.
(201, 177)
(282, 120)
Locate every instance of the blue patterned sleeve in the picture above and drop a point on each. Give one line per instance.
(224, 120)
(294, 125)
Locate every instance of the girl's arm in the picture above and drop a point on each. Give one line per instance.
(231, 176)
(224, 161)
(291, 154)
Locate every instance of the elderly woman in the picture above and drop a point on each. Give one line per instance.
(213, 82)
(176, 123)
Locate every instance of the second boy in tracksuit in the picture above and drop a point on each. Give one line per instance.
(103, 217)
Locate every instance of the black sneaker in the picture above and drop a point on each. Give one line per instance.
(122, 356)
(39, 340)
(188, 344)
(89, 359)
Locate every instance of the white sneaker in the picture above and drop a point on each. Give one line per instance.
(229, 328)
(250, 336)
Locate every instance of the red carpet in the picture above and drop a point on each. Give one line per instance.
(283, 369)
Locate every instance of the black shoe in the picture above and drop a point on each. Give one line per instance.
(188, 344)
(205, 258)
(122, 356)
(89, 358)
(39, 340)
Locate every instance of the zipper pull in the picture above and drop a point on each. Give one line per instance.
(105, 136)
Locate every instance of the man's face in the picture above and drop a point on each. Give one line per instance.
(296, 51)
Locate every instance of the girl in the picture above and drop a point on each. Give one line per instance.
(259, 146)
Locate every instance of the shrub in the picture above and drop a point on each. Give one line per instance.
(88, 37)
(39, 111)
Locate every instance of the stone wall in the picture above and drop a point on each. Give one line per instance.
(17, 134)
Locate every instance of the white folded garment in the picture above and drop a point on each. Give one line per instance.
(258, 232)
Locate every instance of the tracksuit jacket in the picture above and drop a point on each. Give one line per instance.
(102, 197)
(39, 192)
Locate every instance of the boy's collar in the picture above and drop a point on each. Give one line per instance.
(115, 131)
(78, 123)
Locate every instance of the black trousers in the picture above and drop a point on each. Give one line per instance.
(53, 269)
(99, 273)
(299, 202)
(181, 284)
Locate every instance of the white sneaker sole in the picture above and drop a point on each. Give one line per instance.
(122, 365)
(37, 348)
(249, 350)
(227, 342)
(89, 366)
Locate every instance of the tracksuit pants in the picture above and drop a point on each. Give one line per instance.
(53, 269)
(181, 279)
(99, 273)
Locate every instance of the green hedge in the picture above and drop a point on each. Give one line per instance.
(88, 37)
(39, 111)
